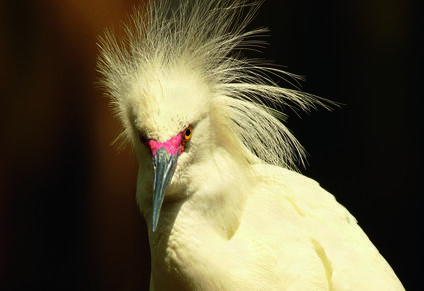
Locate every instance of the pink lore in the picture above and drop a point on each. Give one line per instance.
(173, 145)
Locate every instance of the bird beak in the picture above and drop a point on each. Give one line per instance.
(164, 164)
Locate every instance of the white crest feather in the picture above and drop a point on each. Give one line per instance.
(207, 37)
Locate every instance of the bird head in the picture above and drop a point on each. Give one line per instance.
(181, 87)
(163, 113)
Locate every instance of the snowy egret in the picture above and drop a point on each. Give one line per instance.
(216, 183)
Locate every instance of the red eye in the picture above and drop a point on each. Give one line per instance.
(188, 132)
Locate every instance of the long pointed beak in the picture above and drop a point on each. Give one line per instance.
(164, 165)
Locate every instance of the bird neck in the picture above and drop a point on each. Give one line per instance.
(192, 227)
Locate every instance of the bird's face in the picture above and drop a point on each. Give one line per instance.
(165, 115)
(164, 158)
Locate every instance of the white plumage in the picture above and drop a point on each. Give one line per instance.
(224, 208)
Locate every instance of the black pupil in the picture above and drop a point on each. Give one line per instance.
(187, 132)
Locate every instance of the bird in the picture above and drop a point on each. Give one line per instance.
(218, 181)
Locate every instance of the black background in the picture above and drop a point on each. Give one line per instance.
(68, 217)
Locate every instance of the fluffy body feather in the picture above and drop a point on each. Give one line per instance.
(235, 216)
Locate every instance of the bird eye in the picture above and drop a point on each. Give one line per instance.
(143, 139)
(188, 133)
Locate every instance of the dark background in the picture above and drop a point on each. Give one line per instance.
(68, 216)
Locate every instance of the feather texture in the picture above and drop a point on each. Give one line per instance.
(234, 215)
(206, 38)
